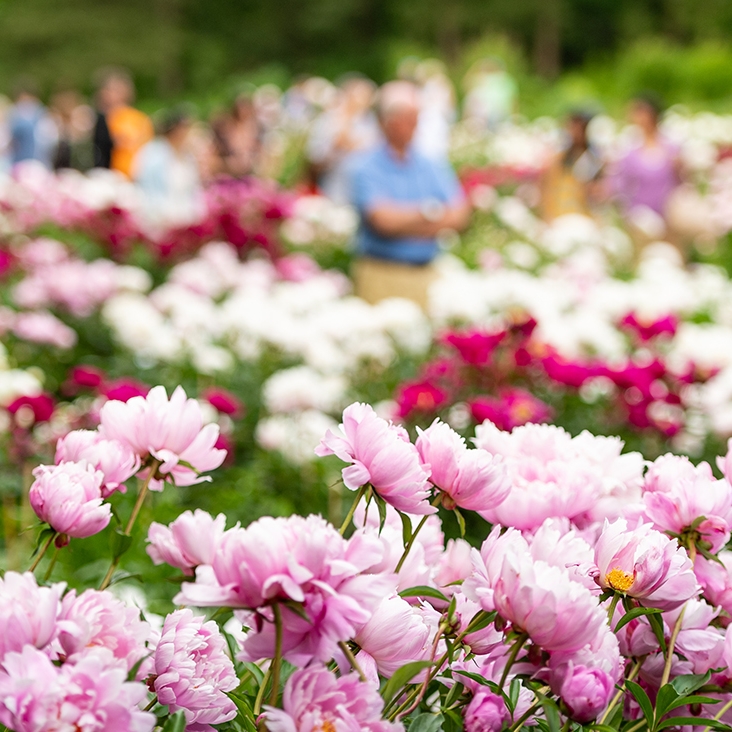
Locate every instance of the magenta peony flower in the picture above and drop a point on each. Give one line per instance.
(91, 695)
(677, 494)
(419, 397)
(304, 560)
(192, 671)
(380, 454)
(113, 458)
(68, 497)
(471, 479)
(224, 401)
(512, 408)
(40, 408)
(122, 390)
(28, 612)
(396, 634)
(192, 539)
(170, 431)
(585, 691)
(486, 712)
(96, 618)
(645, 564)
(316, 699)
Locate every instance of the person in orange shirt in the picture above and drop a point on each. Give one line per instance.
(129, 128)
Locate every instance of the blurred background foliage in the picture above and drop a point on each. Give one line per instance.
(561, 51)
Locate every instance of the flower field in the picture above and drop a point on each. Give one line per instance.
(237, 497)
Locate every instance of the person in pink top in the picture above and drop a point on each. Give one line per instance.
(644, 178)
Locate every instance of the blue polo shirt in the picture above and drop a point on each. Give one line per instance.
(378, 176)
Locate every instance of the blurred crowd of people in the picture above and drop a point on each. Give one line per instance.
(384, 151)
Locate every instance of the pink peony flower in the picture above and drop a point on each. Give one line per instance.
(316, 699)
(396, 634)
(585, 691)
(419, 397)
(550, 474)
(645, 564)
(91, 695)
(68, 497)
(303, 560)
(192, 671)
(486, 712)
(381, 455)
(96, 618)
(113, 458)
(45, 328)
(171, 431)
(470, 479)
(698, 640)
(512, 408)
(716, 579)
(556, 613)
(678, 494)
(28, 612)
(192, 539)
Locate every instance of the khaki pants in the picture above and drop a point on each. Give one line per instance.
(379, 279)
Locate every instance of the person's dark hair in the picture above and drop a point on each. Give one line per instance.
(173, 118)
(650, 101)
(582, 116)
(108, 73)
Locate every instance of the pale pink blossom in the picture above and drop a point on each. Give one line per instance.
(716, 579)
(380, 455)
(455, 565)
(28, 613)
(91, 695)
(113, 458)
(192, 671)
(470, 479)
(192, 539)
(586, 692)
(550, 474)
(300, 560)
(644, 564)
(170, 431)
(96, 618)
(316, 699)
(43, 327)
(675, 500)
(698, 640)
(68, 497)
(396, 634)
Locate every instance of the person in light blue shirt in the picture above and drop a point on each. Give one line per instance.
(404, 201)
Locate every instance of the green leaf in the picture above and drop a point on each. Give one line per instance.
(423, 591)
(682, 701)
(454, 693)
(255, 671)
(551, 711)
(43, 537)
(401, 677)
(658, 630)
(636, 612)
(513, 694)
(481, 620)
(475, 677)
(406, 527)
(119, 542)
(693, 722)
(175, 723)
(381, 505)
(246, 715)
(426, 723)
(687, 683)
(602, 727)
(461, 521)
(298, 608)
(643, 701)
(667, 695)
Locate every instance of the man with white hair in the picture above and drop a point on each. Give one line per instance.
(404, 201)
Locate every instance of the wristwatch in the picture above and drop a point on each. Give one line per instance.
(432, 209)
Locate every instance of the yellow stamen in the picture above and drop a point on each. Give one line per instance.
(619, 580)
(328, 726)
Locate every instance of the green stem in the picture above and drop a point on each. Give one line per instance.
(128, 529)
(51, 565)
(277, 662)
(152, 703)
(636, 726)
(42, 552)
(721, 712)
(348, 653)
(410, 543)
(671, 644)
(260, 694)
(347, 521)
(611, 609)
(515, 649)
